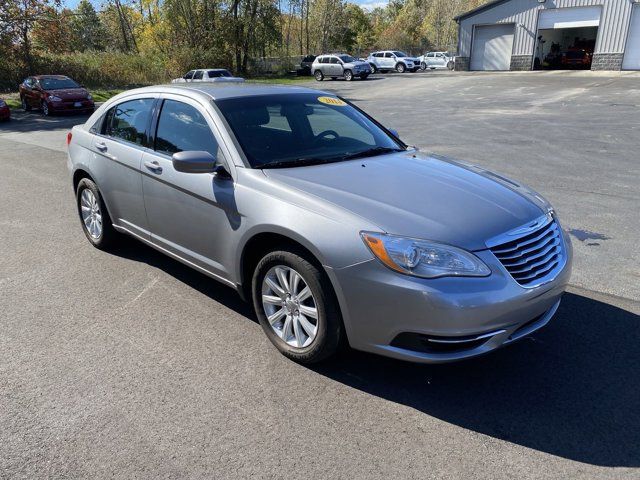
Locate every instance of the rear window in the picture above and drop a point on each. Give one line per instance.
(128, 121)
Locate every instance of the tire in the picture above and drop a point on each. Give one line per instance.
(107, 235)
(334, 78)
(423, 66)
(451, 65)
(45, 109)
(25, 106)
(364, 76)
(374, 69)
(348, 75)
(326, 338)
(400, 67)
(318, 75)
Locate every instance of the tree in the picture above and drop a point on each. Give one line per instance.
(87, 30)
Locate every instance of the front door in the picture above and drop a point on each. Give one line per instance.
(189, 214)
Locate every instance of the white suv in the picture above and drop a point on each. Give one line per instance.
(387, 60)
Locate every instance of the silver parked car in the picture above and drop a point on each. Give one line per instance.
(392, 60)
(333, 228)
(339, 65)
(216, 75)
(437, 60)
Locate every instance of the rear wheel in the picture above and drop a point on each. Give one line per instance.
(319, 76)
(400, 68)
(348, 75)
(96, 223)
(423, 66)
(25, 105)
(374, 69)
(296, 307)
(451, 65)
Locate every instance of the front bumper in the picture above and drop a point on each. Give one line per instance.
(71, 106)
(443, 319)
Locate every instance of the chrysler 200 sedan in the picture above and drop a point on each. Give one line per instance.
(336, 231)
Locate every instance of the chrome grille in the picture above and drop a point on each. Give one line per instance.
(535, 256)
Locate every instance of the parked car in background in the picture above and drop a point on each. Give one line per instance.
(5, 112)
(339, 65)
(55, 94)
(388, 60)
(335, 230)
(437, 60)
(208, 75)
(305, 65)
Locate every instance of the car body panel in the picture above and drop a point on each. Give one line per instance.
(206, 221)
(5, 111)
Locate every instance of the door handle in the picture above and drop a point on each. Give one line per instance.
(101, 146)
(153, 166)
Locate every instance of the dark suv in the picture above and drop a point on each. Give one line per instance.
(305, 65)
(55, 94)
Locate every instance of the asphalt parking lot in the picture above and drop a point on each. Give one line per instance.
(131, 365)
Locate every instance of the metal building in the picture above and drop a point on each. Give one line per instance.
(550, 34)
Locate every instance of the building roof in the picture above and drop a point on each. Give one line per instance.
(479, 9)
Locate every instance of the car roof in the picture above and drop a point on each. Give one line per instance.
(220, 91)
(59, 77)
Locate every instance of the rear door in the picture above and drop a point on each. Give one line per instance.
(492, 46)
(117, 148)
(189, 214)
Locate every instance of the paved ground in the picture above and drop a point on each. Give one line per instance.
(131, 365)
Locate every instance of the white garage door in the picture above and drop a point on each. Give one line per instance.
(492, 46)
(569, 18)
(632, 49)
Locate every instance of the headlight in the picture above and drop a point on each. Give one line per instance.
(422, 258)
(2, 103)
(89, 97)
(53, 98)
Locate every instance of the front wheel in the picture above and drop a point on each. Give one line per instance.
(348, 75)
(400, 68)
(318, 75)
(374, 69)
(45, 109)
(296, 307)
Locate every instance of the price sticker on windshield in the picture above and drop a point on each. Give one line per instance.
(332, 101)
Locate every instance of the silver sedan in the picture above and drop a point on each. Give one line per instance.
(336, 231)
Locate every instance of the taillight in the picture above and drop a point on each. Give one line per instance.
(69, 135)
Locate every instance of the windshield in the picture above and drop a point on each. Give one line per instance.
(302, 129)
(347, 58)
(219, 73)
(57, 83)
(400, 54)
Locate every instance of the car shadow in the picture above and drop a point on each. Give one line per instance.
(34, 120)
(571, 389)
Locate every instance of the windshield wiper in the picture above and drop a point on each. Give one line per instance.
(298, 162)
(372, 152)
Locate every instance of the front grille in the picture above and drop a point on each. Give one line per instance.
(534, 256)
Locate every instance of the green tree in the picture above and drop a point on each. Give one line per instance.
(87, 30)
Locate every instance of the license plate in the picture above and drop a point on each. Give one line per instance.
(77, 104)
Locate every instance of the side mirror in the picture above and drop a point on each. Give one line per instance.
(194, 162)
(394, 133)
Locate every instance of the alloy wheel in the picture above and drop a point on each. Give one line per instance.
(290, 306)
(45, 109)
(91, 214)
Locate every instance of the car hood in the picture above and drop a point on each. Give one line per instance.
(359, 63)
(420, 196)
(412, 59)
(70, 93)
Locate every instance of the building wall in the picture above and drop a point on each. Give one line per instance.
(612, 33)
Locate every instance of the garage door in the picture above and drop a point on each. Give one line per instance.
(492, 46)
(632, 49)
(569, 18)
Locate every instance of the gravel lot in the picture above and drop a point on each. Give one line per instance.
(131, 365)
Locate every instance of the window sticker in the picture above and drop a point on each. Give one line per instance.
(332, 101)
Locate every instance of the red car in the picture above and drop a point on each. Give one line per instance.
(5, 113)
(55, 94)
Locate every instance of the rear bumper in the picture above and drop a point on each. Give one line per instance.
(444, 319)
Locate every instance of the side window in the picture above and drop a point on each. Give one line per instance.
(182, 128)
(388, 55)
(430, 55)
(189, 75)
(334, 60)
(128, 121)
(325, 60)
(198, 75)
